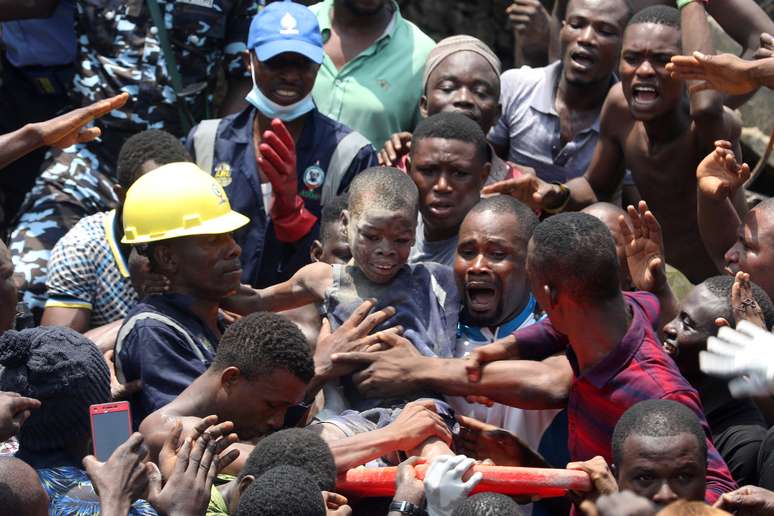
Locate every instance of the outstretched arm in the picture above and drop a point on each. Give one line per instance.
(61, 132)
(306, 286)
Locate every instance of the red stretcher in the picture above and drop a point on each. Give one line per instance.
(541, 482)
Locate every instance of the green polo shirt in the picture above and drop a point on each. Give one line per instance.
(377, 93)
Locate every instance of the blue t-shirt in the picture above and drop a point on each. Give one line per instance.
(166, 357)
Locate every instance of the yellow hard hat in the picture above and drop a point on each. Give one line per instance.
(175, 200)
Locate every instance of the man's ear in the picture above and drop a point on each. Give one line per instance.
(720, 322)
(165, 259)
(551, 294)
(423, 106)
(229, 376)
(316, 251)
(246, 59)
(244, 483)
(344, 219)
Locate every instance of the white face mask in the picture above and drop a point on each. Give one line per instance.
(271, 109)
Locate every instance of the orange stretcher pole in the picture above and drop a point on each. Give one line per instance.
(542, 482)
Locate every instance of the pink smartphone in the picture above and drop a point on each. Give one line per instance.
(111, 426)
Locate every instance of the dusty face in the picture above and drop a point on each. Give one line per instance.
(647, 86)
(663, 469)
(753, 251)
(381, 241)
(465, 83)
(490, 268)
(449, 176)
(591, 40)
(206, 264)
(257, 407)
(286, 78)
(8, 292)
(686, 335)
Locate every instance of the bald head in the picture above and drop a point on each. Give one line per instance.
(21, 493)
(609, 215)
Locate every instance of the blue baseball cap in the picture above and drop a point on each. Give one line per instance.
(285, 27)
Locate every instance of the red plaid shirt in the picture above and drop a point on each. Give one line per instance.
(637, 370)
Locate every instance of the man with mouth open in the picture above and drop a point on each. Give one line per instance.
(649, 127)
(179, 217)
(550, 118)
(280, 160)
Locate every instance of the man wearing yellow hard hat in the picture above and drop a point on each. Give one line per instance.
(180, 218)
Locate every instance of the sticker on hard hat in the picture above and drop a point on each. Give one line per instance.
(223, 174)
(220, 194)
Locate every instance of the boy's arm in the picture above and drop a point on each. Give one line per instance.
(306, 286)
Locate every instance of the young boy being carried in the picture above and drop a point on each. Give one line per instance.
(380, 223)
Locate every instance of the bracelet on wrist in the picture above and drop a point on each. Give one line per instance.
(565, 193)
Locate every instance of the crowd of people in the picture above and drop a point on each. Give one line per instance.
(309, 241)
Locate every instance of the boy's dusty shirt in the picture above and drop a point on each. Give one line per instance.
(426, 302)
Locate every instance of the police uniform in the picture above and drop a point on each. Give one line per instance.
(120, 51)
(266, 260)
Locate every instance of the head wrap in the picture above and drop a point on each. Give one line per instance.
(65, 371)
(461, 43)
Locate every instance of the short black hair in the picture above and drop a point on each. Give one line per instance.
(153, 144)
(331, 214)
(575, 252)
(293, 447)
(507, 205)
(720, 287)
(453, 126)
(383, 187)
(658, 14)
(657, 418)
(488, 504)
(282, 491)
(262, 342)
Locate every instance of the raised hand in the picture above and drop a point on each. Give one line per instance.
(529, 16)
(644, 246)
(68, 129)
(602, 479)
(724, 72)
(122, 479)
(14, 411)
(719, 174)
(223, 433)
(743, 304)
(394, 149)
(276, 157)
(187, 492)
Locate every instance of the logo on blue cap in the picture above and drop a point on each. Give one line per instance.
(285, 27)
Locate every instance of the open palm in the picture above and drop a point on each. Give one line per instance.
(644, 247)
(719, 174)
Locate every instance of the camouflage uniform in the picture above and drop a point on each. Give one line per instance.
(119, 51)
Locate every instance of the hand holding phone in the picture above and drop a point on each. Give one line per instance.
(111, 426)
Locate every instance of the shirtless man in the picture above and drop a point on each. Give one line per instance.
(647, 128)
